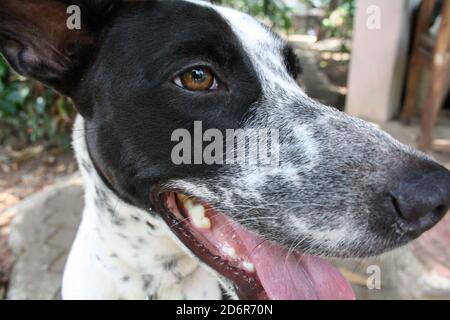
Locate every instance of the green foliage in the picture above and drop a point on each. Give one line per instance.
(339, 22)
(31, 113)
(275, 12)
(339, 15)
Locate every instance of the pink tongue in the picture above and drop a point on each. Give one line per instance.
(294, 276)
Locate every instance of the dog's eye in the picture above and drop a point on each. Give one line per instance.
(197, 79)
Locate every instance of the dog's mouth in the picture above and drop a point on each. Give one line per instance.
(259, 269)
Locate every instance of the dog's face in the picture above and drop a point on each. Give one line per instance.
(139, 71)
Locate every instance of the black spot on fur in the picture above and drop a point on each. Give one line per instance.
(147, 280)
(101, 194)
(125, 278)
(123, 236)
(178, 276)
(86, 166)
(140, 240)
(225, 295)
(170, 264)
(110, 210)
(98, 203)
(151, 226)
(118, 221)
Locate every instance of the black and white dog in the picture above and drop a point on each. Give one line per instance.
(137, 71)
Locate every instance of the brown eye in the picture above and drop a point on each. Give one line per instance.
(197, 79)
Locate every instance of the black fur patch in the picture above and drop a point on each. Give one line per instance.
(133, 117)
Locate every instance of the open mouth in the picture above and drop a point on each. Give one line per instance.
(259, 269)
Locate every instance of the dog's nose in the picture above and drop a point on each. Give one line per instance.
(422, 197)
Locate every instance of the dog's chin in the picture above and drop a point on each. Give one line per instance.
(257, 268)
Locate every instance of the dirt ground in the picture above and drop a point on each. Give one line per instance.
(23, 173)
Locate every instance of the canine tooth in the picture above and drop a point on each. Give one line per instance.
(205, 223)
(229, 251)
(187, 202)
(250, 267)
(197, 213)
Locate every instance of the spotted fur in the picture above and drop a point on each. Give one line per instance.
(134, 259)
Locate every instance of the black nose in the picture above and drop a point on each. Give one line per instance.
(421, 197)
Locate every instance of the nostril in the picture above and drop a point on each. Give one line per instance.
(416, 218)
(411, 213)
(396, 206)
(404, 211)
(439, 211)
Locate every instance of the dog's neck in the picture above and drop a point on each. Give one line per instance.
(132, 246)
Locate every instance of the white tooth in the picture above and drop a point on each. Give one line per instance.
(229, 251)
(187, 202)
(197, 213)
(248, 266)
(205, 223)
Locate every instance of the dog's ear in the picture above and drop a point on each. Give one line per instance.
(50, 40)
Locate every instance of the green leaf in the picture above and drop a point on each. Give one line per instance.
(8, 107)
(3, 68)
(18, 95)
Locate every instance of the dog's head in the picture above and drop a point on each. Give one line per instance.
(143, 74)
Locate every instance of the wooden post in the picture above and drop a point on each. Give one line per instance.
(438, 80)
(379, 58)
(415, 65)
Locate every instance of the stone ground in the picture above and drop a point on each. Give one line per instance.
(45, 225)
(41, 235)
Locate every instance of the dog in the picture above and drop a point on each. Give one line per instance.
(151, 229)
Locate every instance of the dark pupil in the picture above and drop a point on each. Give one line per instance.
(198, 75)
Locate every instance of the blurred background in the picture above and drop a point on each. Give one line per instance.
(374, 59)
